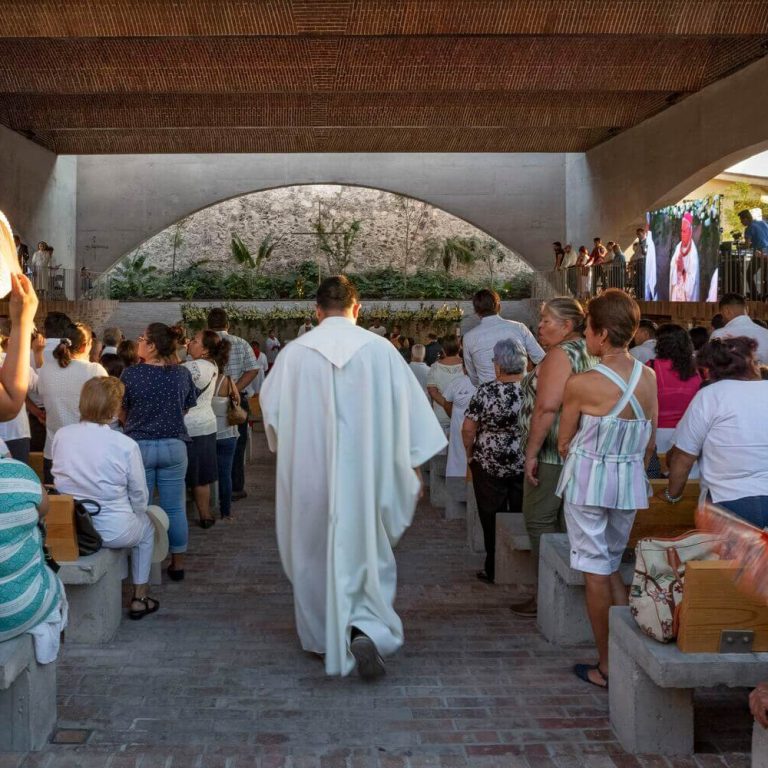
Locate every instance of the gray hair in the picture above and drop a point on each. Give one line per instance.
(510, 356)
(418, 353)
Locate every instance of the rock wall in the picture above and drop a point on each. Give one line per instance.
(288, 213)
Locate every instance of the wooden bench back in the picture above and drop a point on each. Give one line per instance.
(61, 537)
(36, 462)
(664, 520)
(712, 603)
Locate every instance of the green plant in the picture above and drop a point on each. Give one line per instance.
(454, 252)
(336, 240)
(241, 253)
(132, 278)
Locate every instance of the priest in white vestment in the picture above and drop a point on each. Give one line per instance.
(350, 425)
(684, 266)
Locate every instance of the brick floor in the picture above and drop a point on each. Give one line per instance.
(216, 679)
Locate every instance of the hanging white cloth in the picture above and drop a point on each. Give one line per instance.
(349, 423)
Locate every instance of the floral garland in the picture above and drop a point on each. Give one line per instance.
(444, 316)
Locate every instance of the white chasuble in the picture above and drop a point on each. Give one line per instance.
(349, 423)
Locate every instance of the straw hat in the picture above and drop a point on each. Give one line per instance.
(160, 521)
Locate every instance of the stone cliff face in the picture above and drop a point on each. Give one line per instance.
(390, 224)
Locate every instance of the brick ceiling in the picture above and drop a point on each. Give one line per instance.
(109, 76)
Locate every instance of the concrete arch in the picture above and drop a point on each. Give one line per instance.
(661, 160)
(313, 184)
(123, 200)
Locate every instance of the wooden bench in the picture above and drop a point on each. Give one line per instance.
(562, 616)
(36, 462)
(61, 532)
(27, 697)
(652, 684)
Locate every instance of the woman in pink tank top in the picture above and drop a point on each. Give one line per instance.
(677, 379)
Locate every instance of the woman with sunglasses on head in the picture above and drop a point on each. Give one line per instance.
(158, 393)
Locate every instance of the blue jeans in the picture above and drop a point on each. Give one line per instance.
(753, 509)
(238, 464)
(225, 454)
(165, 464)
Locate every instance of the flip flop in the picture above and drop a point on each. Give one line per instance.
(136, 615)
(582, 672)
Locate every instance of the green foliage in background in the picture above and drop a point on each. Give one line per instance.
(134, 280)
(247, 320)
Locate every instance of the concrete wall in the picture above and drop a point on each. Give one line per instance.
(123, 200)
(663, 159)
(38, 195)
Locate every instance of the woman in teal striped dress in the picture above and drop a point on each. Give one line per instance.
(29, 591)
(561, 333)
(607, 436)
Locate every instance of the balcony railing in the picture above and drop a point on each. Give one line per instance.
(57, 283)
(739, 270)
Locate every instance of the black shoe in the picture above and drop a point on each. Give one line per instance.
(370, 665)
(525, 610)
(483, 576)
(207, 522)
(175, 574)
(237, 495)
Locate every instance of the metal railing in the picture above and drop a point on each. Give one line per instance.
(58, 283)
(585, 282)
(739, 270)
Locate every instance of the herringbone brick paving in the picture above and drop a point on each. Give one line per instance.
(216, 679)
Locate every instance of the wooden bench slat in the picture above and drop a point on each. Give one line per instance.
(61, 536)
(712, 603)
(664, 520)
(36, 462)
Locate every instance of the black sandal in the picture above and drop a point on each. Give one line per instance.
(582, 672)
(146, 610)
(207, 522)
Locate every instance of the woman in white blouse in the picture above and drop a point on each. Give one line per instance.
(200, 421)
(60, 382)
(93, 461)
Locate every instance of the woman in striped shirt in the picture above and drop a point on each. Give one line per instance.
(30, 593)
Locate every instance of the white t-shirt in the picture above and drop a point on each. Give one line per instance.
(726, 424)
(201, 420)
(743, 326)
(92, 461)
(379, 330)
(60, 388)
(18, 427)
(440, 375)
(421, 371)
(273, 347)
(645, 351)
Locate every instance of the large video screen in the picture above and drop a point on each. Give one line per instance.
(683, 249)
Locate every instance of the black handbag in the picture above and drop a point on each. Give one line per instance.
(88, 538)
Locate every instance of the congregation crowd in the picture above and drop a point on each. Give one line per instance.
(564, 426)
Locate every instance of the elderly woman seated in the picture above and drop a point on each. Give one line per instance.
(492, 440)
(726, 428)
(31, 594)
(92, 461)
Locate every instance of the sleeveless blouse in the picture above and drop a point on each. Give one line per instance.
(605, 463)
(580, 361)
(674, 394)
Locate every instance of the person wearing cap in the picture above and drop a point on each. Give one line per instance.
(492, 436)
(92, 461)
(684, 266)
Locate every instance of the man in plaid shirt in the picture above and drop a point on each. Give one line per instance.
(242, 368)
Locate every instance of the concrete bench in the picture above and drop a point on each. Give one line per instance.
(455, 498)
(562, 616)
(27, 697)
(437, 491)
(94, 593)
(651, 691)
(474, 529)
(514, 561)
